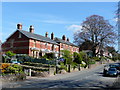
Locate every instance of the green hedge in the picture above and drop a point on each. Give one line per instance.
(63, 67)
(14, 68)
(37, 64)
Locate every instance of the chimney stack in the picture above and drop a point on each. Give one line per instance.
(19, 26)
(31, 29)
(46, 34)
(52, 36)
(64, 38)
(68, 39)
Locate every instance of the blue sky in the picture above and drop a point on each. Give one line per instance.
(62, 18)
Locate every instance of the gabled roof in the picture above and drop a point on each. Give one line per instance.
(37, 37)
(65, 42)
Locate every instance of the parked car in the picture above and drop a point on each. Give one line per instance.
(112, 72)
(115, 65)
(15, 62)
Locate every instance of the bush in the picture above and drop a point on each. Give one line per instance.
(49, 56)
(61, 63)
(37, 64)
(96, 58)
(67, 56)
(82, 65)
(4, 66)
(14, 68)
(77, 58)
(10, 54)
(91, 62)
(74, 65)
(63, 67)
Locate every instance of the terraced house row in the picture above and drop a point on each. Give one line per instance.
(35, 45)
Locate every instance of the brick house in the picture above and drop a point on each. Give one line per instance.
(64, 44)
(103, 52)
(24, 42)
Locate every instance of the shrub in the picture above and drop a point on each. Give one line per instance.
(63, 67)
(61, 63)
(4, 66)
(96, 58)
(91, 62)
(77, 58)
(67, 56)
(82, 65)
(74, 65)
(10, 54)
(49, 56)
(14, 69)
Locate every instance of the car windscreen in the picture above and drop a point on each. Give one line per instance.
(112, 69)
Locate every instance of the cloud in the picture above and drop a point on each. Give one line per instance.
(58, 21)
(115, 19)
(74, 27)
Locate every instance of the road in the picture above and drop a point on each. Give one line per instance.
(89, 78)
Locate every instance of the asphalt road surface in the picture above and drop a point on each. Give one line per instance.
(90, 78)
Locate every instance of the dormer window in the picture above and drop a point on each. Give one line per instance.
(20, 36)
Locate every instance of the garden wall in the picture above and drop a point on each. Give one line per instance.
(13, 77)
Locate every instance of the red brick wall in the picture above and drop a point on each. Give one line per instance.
(68, 47)
(16, 44)
(41, 45)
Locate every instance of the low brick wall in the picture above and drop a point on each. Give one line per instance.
(13, 77)
(94, 65)
(39, 74)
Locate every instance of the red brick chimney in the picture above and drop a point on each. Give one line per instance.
(31, 29)
(46, 34)
(68, 39)
(52, 36)
(64, 38)
(19, 26)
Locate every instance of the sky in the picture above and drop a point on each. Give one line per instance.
(62, 18)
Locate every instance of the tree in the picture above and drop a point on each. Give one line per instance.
(66, 54)
(77, 58)
(10, 54)
(118, 25)
(86, 45)
(96, 30)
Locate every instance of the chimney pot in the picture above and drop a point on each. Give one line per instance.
(19, 26)
(46, 34)
(31, 29)
(64, 38)
(52, 36)
(68, 39)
